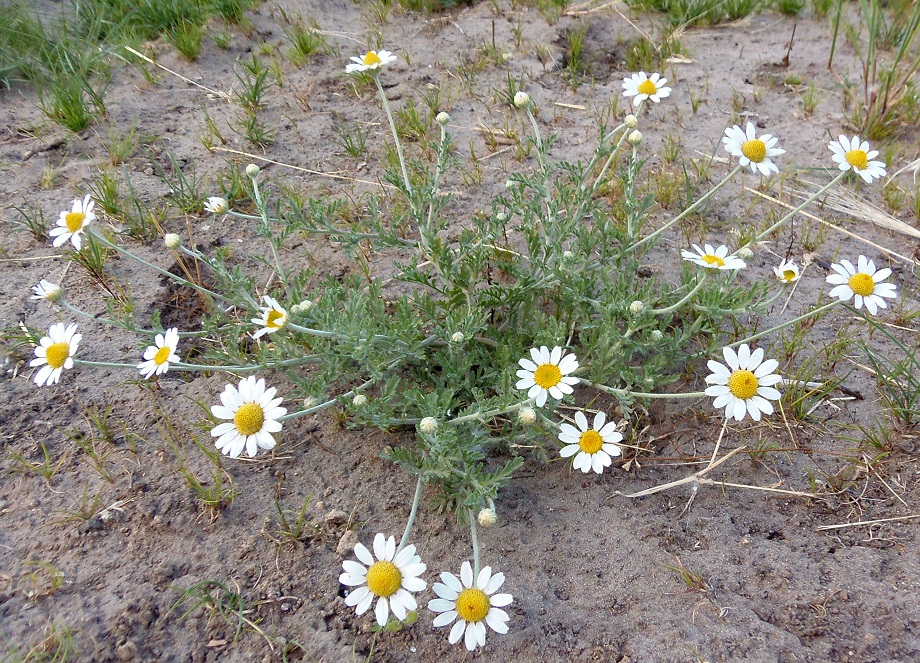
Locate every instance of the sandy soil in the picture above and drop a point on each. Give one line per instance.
(593, 574)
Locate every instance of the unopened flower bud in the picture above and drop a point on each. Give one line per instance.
(635, 137)
(308, 402)
(631, 121)
(745, 253)
(501, 217)
(457, 337)
(521, 99)
(360, 400)
(509, 184)
(636, 307)
(657, 335)
(428, 425)
(487, 517)
(172, 241)
(253, 170)
(527, 416)
(302, 307)
(442, 118)
(567, 255)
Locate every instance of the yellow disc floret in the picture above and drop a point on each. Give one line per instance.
(383, 578)
(590, 442)
(789, 275)
(472, 605)
(275, 319)
(57, 354)
(742, 384)
(857, 159)
(371, 59)
(712, 260)
(161, 356)
(647, 87)
(862, 284)
(74, 221)
(249, 419)
(755, 150)
(547, 375)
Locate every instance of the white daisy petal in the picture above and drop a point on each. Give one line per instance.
(746, 390)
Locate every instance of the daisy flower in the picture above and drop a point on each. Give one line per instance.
(158, 356)
(745, 385)
(750, 150)
(254, 414)
(592, 447)
(787, 272)
(473, 606)
(643, 87)
(55, 352)
(371, 60)
(46, 290)
(273, 318)
(713, 258)
(70, 225)
(548, 373)
(863, 283)
(853, 154)
(216, 205)
(391, 579)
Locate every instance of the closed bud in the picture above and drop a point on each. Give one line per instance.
(360, 400)
(442, 118)
(745, 253)
(501, 217)
(487, 517)
(428, 425)
(308, 402)
(657, 335)
(635, 137)
(631, 121)
(636, 307)
(172, 241)
(567, 255)
(521, 99)
(457, 337)
(527, 416)
(253, 170)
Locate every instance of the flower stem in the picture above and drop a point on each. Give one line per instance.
(640, 394)
(483, 416)
(118, 323)
(783, 325)
(684, 300)
(412, 514)
(399, 152)
(279, 268)
(475, 537)
(179, 366)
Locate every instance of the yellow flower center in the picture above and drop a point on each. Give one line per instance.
(862, 284)
(713, 261)
(275, 319)
(590, 441)
(547, 375)
(788, 275)
(57, 354)
(249, 419)
(74, 221)
(755, 150)
(647, 87)
(161, 356)
(857, 159)
(383, 578)
(742, 384)
(371, 59)
(472, 605)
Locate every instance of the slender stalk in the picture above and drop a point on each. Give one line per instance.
(538, 139)
(783, 325)
(325, 404)
(279, 267)
(684, 300)
(218, 267)
(399, 152)
(118, 323)
(475, 537)
(179, 366)
(483, 416)
(412, 514)
(640, 394)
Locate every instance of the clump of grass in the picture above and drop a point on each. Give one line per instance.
(305, 39)
(186, 37)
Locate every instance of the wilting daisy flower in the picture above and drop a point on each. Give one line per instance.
(254, 417)
(273, 318)
(216, 205)
(70, 225)
(592, 447)
(473, 606)
(863, 283)
(745, 385)
(159, 355)
(391, 579)
(371, 60)
(713, 258)
(850, 153)
(750, 150)
(55, 352)
(548, 373)
(643, 87)
(46, 290)
(787, 272)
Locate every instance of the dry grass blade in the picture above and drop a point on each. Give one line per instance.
(869, 522)
(841, 200)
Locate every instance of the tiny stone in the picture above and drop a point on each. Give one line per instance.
(126, 651)
(336, 517)
(347, 543)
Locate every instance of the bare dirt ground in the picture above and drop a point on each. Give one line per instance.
(595, 576)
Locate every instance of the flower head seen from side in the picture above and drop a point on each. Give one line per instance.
(216, 205)
(853, 154)
(864, 283)
(55, 352)
(594, 447)
(751, 150)
(745, 385)
(472, 605)
(273, 317)
(548, 374)
(787, 271)
(713, 258)
(47, 291)
(70, 225)
(253, 413)
(391, 579)
(158, 356)
(644, 87)
(370, 61)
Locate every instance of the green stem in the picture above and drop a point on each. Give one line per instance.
(684, 300)
(399, 152)
(639, 394)
(475, 537)
(121, 324)
(279, 268)
(179, 366)
(220, 269)
(783, 325)
(484, 416)
(412, 514)
(538, 139)
(325, 404)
